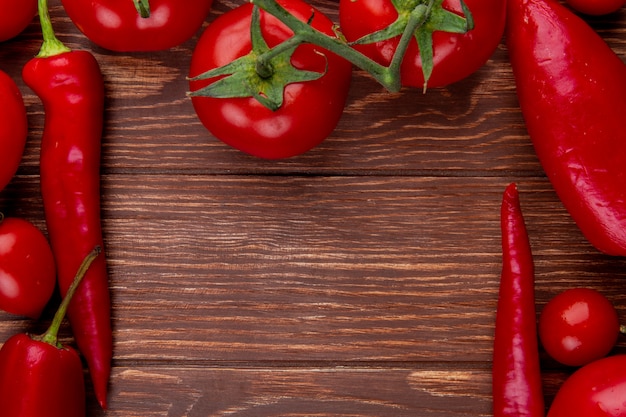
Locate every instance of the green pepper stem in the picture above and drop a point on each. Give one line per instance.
(143, 8)
(388, 77)
(51, 335)
(51, 44)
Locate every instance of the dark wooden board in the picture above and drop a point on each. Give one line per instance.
(359, 279)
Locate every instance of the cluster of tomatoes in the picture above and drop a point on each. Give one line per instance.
(579, 328)
(27, 268)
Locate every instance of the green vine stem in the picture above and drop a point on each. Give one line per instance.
(257, 74)
(388, 77)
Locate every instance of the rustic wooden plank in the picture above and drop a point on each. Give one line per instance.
(249, 268)
(312, 391)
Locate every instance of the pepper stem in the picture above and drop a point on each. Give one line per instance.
(51, 335)
(51, 44)
(143, 8)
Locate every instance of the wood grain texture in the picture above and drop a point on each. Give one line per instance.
(359, 279)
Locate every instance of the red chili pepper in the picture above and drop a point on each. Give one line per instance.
(71, 87)
(572, 92)
(517, 390)
(38, 376)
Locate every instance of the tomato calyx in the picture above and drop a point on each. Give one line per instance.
(143, 8)
(436, 19)
(263, 73)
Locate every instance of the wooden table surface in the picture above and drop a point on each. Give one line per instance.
(359, 279)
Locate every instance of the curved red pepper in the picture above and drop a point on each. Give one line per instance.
(517, 390)
(71, 87)
(117, 25)
(572, 92)
(38, 376)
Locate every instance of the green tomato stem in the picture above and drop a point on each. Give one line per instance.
(51, 44)
(143, 8)
(388, 77)
(51, 335)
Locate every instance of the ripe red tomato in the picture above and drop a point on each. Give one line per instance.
(578, 326)
(595, 390)
(116, 24)
(455, 56)
(596, 7)
(15, 16)
(27, 268)
(13, 128)
(311, 109)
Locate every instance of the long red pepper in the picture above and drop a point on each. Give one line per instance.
(572, 92)
(71, 87)
(38, 376)
(517, 390)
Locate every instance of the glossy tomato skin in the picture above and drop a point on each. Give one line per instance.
(595, 390)
(455, 56)
(15, 15)
(27, 268)
(116, 25)
(578, 326)
(13, 128)
(310, 111)
(596, 7)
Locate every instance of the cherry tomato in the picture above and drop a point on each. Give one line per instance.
(13, 128)
(595, 390)
(596, 7)
(310, 110)
(27, 268)
(15, 15)
(455, 56)
(578, 326)
(117, 25)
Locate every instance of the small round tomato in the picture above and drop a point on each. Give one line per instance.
(27, 268)
(15, 16)
(13, 128)
(117, 25)
(455, 56)
(595, 390)
(578, 326)
(310, 110)
(596, 7)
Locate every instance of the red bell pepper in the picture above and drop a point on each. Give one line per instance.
(138, 25)
(517, 390)
(572, 92)
(71, 87)
(38, 376)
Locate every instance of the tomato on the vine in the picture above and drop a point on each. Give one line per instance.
(13, 128)
(15, 16)
(578, 326)
(455, 55)
(598, 389)
(596, 7)
(27, 268)
(310, 110)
